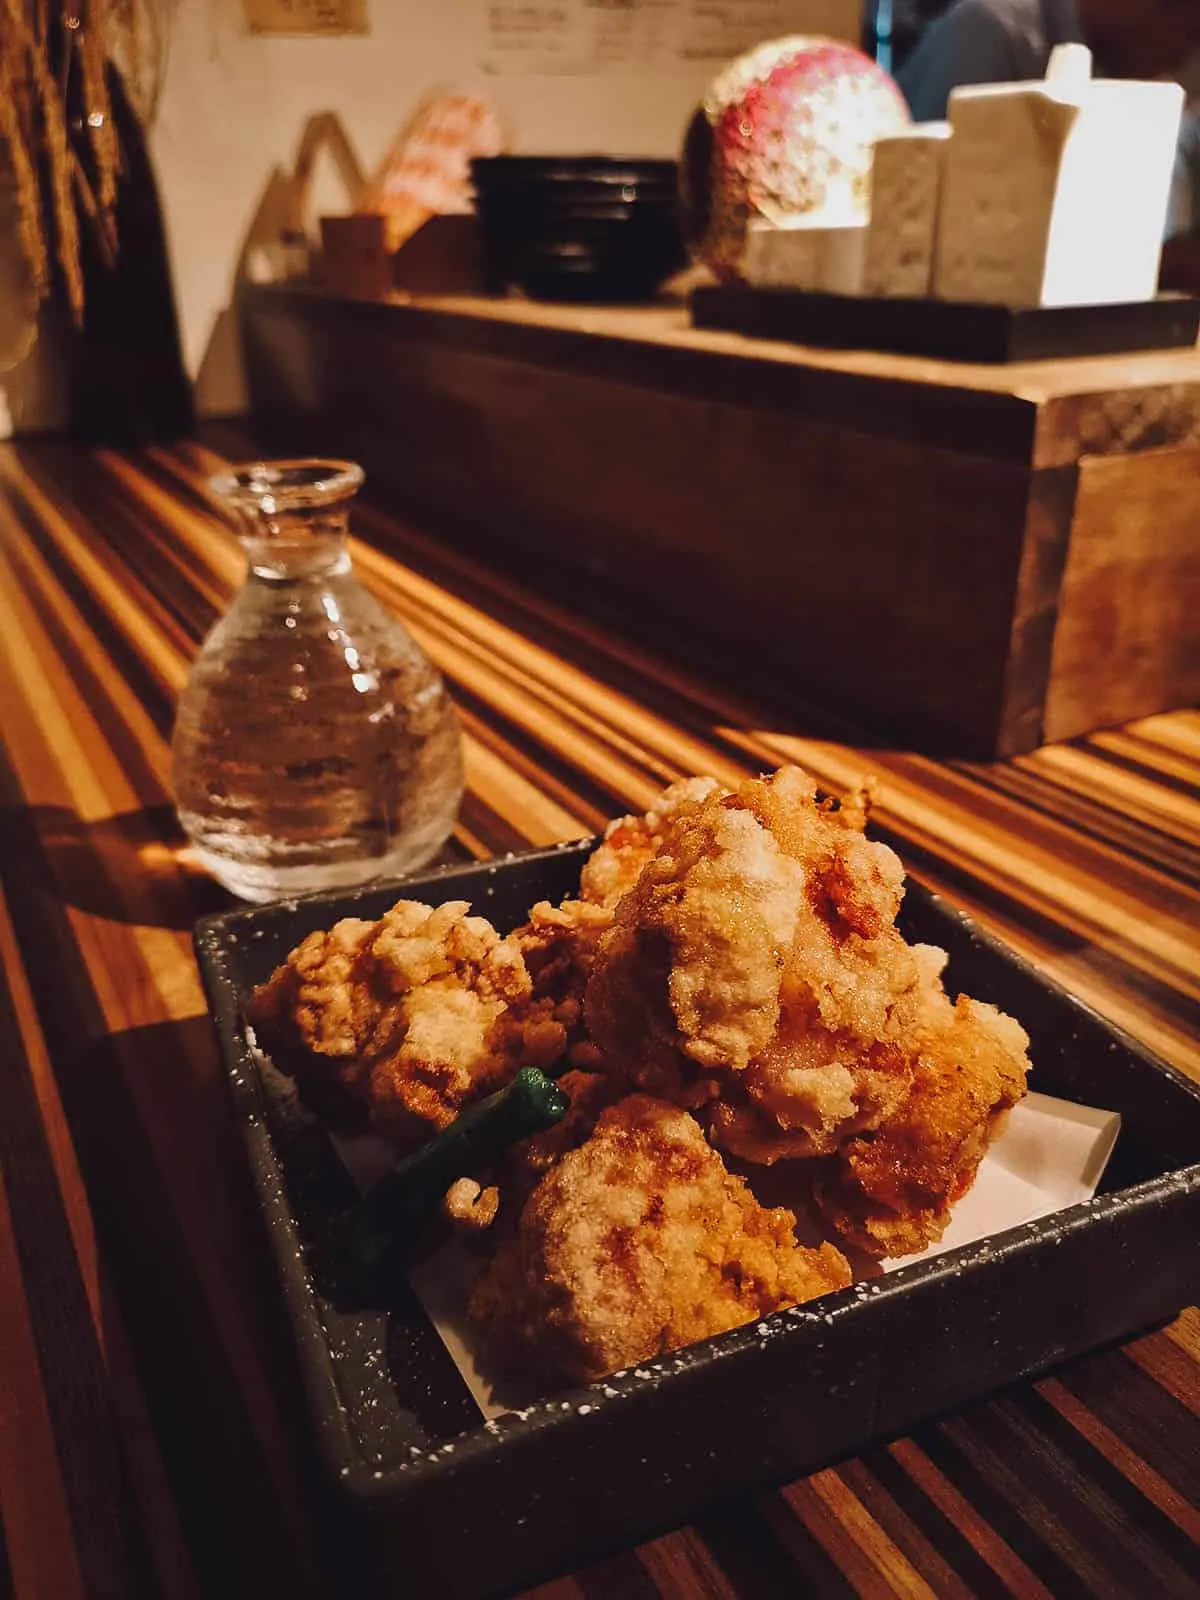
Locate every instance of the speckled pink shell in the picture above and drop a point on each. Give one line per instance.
(792, 124)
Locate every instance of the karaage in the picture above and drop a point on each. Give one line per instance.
(889, 1193)
(629, 842)
(636, 1243)
(559, 942)
(756, 966)
(318, 1014)
(416, 1015)
(733, 980)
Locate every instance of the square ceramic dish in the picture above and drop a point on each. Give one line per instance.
(442, 1504)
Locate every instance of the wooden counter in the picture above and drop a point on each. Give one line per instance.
(978, 559)
(151, 1440)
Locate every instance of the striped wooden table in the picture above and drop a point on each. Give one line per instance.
(150, 1437)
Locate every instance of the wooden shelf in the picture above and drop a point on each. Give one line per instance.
(1099, 404)
(970, 557)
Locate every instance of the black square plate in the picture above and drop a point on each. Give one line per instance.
(443, 1504)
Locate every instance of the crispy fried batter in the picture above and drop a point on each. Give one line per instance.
(890, 1192)
(558, 944)
(420, 1014)
(317, 1013)
(756, 964)
(756, 968)
(636, 1243)
(814, 1086)
(689, 976)
(463, 994)
(471, 1206)
(629, 842)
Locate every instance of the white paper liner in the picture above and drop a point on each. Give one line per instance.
(1051, 1155)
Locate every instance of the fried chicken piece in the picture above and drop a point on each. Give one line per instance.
(629, 842)
(416, 1015)
(558, 944)
(755, 973)
(756, 964)
(318, 1014)
(636, 1243)
(814, 1086)
(889, 1193)
(468, 1023)
(689, 976)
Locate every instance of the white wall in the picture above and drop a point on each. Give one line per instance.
(234, 107)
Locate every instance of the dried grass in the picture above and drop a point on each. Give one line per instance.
(47, 189)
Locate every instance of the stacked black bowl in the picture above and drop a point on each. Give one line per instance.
(597, 228)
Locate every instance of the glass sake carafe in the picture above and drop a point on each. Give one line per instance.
(315, 745)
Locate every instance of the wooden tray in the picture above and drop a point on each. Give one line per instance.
(947, 329)
(441, 1505)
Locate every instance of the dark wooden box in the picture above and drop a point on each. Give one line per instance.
(444, 256)
(439, 1504)
(969, 559)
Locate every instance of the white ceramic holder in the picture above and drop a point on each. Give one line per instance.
(824, 257)
(1056, 193)
(906, 186)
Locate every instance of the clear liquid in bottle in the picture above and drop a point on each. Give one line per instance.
(315, 745)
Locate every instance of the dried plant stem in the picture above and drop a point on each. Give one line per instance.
(58, 153)
(93, 60)
(24, 180)
(102, 221)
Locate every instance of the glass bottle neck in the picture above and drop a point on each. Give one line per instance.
(292, 516)
(300, 559)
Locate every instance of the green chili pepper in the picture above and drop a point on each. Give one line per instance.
(371, 1233)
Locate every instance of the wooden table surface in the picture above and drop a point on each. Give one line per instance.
(151, 1439)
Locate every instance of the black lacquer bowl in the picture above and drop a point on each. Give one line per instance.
(582, 227)
(440, 1503)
